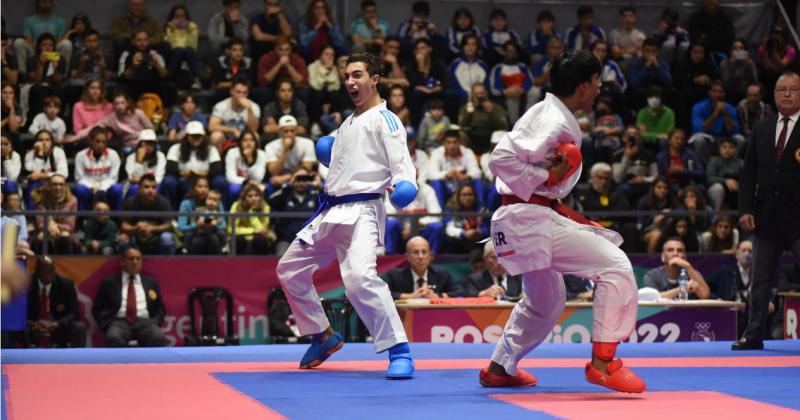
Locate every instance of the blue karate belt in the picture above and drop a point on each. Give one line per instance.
(327, 201)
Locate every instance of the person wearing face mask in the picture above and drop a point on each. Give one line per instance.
(656, 120)
(512, 80)
(738, 72)
(732, 282)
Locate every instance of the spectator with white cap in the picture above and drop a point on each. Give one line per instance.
(193, 156)
(147, 159)
(97, 172)
(288, 152)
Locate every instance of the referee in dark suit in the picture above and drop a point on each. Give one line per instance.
(769, 201)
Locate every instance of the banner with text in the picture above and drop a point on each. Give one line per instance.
(485, 325)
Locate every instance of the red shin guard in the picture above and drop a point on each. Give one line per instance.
(618, 378)
(604, 351)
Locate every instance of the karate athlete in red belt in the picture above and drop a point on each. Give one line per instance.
(536, 164)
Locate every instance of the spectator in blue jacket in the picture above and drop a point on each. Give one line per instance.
(462, 24)
(467, 69)
(581, 36)
(495, 38)
(538, 38)
(611, 75)
(512, 80)
(646, 71)
(713, 118)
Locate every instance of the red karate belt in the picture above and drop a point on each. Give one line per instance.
(556, 205)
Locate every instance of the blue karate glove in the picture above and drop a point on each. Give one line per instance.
(403, 194)
(324, 149)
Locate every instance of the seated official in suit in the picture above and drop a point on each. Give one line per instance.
(128, 306)
(493, 280)
(53, 312)
(420, 279)
(732, 283)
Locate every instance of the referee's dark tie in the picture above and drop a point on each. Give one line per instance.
(420, 282)
(130, 304)
(782, 138)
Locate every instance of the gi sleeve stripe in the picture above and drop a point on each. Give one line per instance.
(390, 121)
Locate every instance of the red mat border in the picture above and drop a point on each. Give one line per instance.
(188, 390)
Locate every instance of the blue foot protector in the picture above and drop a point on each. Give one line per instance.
(401, 365)
(320, 350)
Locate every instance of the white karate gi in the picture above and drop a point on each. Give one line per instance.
(542, 245)
(369, 155)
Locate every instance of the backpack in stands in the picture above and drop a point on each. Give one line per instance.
(151, 105)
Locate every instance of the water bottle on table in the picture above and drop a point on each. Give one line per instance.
(683, 286)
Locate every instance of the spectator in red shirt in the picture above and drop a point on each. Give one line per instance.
(282, 63)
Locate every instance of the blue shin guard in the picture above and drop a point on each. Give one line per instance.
(320, 349)
(401, 365)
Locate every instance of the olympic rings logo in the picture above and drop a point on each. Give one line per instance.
(703, 326)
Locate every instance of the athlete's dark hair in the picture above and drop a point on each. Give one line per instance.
(371, 61)
(572, 69)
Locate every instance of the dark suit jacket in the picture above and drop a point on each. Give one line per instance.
(769, 189)
(475, 282)
(400, 281)
(63, 301)
(725, 283)
(109, 298)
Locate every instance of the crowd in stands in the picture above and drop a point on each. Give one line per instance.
(222, 117)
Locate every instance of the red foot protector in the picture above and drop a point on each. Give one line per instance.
(574, 158)
(619, 378)
(522, 378)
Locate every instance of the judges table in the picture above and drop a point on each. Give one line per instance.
(791, 313)
(696, 320)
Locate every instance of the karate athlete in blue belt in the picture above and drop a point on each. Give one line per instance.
(368, 158)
